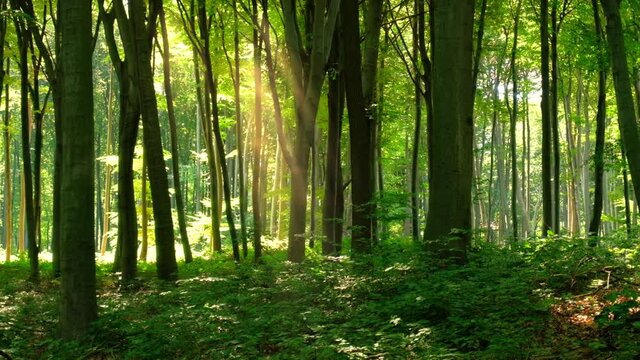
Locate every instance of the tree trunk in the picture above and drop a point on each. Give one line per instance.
(32, 245)
(512, 126)
(554, 117)
(360, 129)
(78, 306)
(242, 193)
(418, 34)
(126, 250)
(308, 77)
(175, 154)
(257, 173)
(8, 187)
(547, 199)
(449, 218)
(107, 175)
(626, 111)
(372, 26)
(140, 54)
(214, 133)
(333, 202)
(144, 206)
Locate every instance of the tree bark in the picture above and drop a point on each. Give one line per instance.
(512, 126)
(257, 175)
(547, 199)
(32, 246)
(622, 84)
(78, 305)
(308, 77)
(8, 187)
(449, 218)
(333, 202)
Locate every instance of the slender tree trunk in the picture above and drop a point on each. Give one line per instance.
(512, 126)
(107, 175)
(144, 213)
(547, 198)
(204, 107)
(554, 116)
(418, 32)
(625, 182)
(175, 154)
(275, 197)
(139, 52)
(257, 175)
(333, 203)
(572, 202)
(126, 249)
(8, 187)
(212, 90)
(586, 154)
(32, 245)
(242, 193)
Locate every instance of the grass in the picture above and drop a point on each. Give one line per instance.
(541, 300)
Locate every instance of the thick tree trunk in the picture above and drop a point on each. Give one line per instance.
(360, 127)
(449, 218)
(622, 84)
(308, 77)
(78, 306)
(372, 26)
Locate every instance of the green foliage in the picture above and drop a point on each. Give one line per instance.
(398, 303)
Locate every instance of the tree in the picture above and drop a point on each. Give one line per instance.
(547, 199)
(598, 159)
(24, 39)
(78, 306)
(449, 218)
(360, 133)
(308, 72)
(333, 202)
(175, 156)
(129, 118)
(622, 84)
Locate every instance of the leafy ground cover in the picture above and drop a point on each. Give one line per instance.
(539, 300)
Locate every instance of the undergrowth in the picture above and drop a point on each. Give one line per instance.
(540, 299)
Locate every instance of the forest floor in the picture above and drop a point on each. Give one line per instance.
(554, 299)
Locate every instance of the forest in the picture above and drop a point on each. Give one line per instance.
(319, 179)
